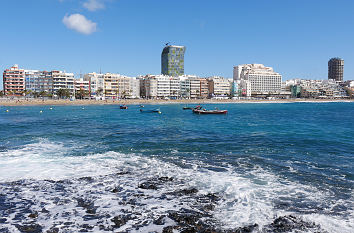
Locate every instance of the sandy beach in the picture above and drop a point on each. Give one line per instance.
(29, 102)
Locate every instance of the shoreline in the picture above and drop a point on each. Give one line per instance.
(36, 102)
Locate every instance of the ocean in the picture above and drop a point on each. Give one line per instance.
(263, 167)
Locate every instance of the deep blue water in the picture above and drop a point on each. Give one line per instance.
(286, 158)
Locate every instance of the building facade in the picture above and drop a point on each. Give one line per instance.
(14, 81)
(96, 84)
(172, 60)
(82, 88)
(63, 80)
(38, 82)
(263, 80)
(219, 86)
(336, 69)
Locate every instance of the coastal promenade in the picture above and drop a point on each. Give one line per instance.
(28, 102)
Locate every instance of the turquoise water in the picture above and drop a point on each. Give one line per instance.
(264, 160)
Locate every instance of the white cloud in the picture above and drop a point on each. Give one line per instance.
(79, 23)
(94, 5)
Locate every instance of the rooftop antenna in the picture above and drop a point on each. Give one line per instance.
(167, 44)
(100, 71)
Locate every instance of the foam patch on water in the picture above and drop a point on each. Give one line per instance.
(256, 197)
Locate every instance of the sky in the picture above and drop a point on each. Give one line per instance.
(295, 37)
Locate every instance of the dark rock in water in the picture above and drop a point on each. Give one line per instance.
(168, 229)
(4, 230)
(189, 230)
(290, 223)
(160, 220)
(53, 230)
(33, 215)
(86, 228)
(212, 197)
(209, 207)
(188, 218)
(86, 204)
(120, 221)
(44, 210)
(87, 179)
(184, 192)
(122, 173)
(148, 185)
(117, 189)
(165, 178)
(32, 228)
(246, 229)
(2, 220)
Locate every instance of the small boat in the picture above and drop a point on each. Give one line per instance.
(187, 108)
(151, 111)
(123, 107)
(204, 111)
(141, 106)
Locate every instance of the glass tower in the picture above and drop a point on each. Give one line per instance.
(172, 60)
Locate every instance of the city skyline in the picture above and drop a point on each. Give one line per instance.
(127, 36)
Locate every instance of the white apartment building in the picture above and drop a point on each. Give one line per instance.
(161, 87)
(219, 86)
(63, 80)
(81, 85)
(96, 83)
(263, 80)
(120, 86)
(148, 87)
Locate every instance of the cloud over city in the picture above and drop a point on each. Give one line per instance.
(94, 5)
(80, 24)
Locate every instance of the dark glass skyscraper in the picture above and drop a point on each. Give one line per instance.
(335, 69)
(172, 60)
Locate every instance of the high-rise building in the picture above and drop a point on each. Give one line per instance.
(172, 60)
(335, 69)
(14, 81)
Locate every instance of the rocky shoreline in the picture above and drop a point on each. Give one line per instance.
(154, 204)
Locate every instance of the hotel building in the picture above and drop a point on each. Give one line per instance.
(14, 81)
(172, 60)
(262, 80)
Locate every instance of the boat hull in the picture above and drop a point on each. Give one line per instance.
(197, 111)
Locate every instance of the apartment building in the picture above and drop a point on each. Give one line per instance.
(219, 86)
(63, 80)
(96, 84)
(14, 81)
(193, 87)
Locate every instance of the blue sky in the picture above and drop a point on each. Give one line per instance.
(296, 37)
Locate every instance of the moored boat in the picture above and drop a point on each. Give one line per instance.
(187, 108)
(204, 111)
(123, 107)
(151, 111)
